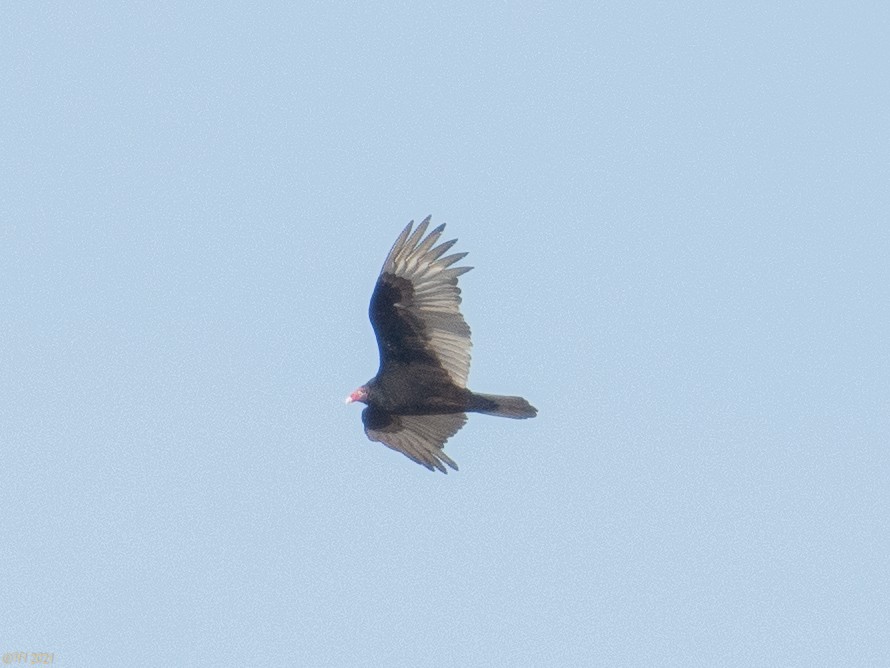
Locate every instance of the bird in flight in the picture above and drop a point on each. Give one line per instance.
(419, 397)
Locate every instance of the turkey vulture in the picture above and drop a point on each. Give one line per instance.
(419, 397)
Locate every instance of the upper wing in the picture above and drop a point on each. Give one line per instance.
(415, 306)
(418, 437)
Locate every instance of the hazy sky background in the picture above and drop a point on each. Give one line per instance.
(678, 215)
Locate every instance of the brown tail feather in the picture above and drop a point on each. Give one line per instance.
(495, 404)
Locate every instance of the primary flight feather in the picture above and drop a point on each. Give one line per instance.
(419, 397)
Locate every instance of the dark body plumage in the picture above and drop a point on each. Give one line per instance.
(419, 398)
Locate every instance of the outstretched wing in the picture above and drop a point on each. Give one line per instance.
(418, 437)
(415, 308)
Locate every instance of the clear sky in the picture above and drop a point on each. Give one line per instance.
(678, 215)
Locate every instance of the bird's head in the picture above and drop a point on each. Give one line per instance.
(359, 394)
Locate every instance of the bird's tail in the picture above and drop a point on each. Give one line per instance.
(495, 404)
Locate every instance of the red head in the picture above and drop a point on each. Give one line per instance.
(360, 394)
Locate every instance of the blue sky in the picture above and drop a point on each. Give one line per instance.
(678, 215)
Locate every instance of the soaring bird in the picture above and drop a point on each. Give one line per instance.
(419, 397)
